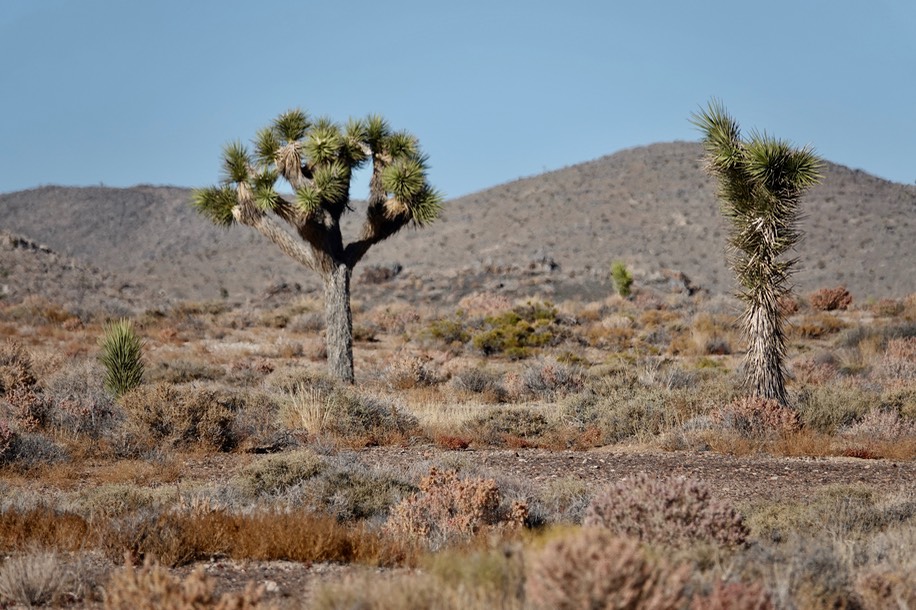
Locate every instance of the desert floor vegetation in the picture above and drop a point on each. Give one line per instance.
(497, 452)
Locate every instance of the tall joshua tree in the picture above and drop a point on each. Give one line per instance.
(317, 158)
(761, 181)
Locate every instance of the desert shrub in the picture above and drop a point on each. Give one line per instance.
(623, 279)
(888, 308)
(505, 425)
(348, 492)
(815, 371)
(78, 401)
(733, 596)
(34, 579)
(29, 409)
(675, 511)
(42, 527)
(477, 380)
(812, 573)
(448, 508)
(885, 589)
(410, 372)
(514, 333)
(347, 414)
(451, 331)
(755, 416)
(619, 412)
(592, 568)
(547, 380)
(846, 511)
(830, 299)
(122, 356)
(882, 424)
(182, 415)
(15, 367)
(29, 450)
(152, 587)
(830, 407)
(898, 364)
(8, 441)
(277, 473)
(816, 325)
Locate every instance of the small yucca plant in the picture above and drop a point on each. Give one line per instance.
(623, 279)
(122, 356)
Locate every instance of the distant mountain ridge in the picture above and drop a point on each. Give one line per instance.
(652, 207)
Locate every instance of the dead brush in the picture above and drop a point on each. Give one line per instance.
(448, 508)
(755, 417)
(15, 367)
(674, 511)
(151, 587)
(408, 372)
(592, 568)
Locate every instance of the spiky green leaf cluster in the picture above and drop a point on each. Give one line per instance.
(318, 157)
(761, 180)
(122, 357)
(215, 203)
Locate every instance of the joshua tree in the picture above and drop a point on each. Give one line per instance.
(761, 180)
(317, 158)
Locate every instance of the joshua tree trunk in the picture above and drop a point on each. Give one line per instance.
(339, 323)
(766, 353)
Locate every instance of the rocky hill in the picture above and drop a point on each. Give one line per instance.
(652, 207)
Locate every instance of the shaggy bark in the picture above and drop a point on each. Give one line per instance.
(339, 323)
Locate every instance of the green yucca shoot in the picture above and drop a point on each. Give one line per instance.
(122, 356)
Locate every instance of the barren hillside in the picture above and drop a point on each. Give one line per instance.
(652, 207)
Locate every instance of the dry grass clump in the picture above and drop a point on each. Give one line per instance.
(181, 415)
(755, 417)
(408, 372)
(484, 383)
(347, 415)
(831, 407)
(448, 508)
(508, 426)
(152, 587)
(830, 299)
(42, 527)
(204, 530)
(34, 579)
(898, 364)
(592, 568)
(275, 474)
(673, 510)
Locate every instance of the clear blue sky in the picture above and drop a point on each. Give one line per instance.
(126, 92)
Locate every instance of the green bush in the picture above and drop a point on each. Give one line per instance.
(514, 333)
(623, 279)
(122, 355)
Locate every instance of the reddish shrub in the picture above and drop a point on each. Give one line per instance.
(755, 416)
(830, 299)
(448, 508)
(595, 569)
(675, 511)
